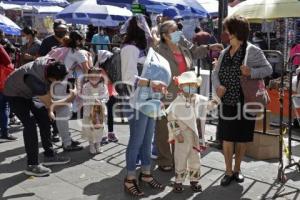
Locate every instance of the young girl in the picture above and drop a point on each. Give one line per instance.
(94, 94)
(103, 56)
(182, 116)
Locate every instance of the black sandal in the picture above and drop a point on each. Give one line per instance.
(154, 183)
(165, 168)
(133, 190)
(195, 186)
(178, 188)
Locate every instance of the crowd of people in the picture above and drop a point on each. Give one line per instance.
(64, 76)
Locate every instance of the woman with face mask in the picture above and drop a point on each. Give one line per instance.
(30, 45)
(236, 125)
(180, 58)
(78, 62)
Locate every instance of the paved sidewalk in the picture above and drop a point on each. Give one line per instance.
(100, 177)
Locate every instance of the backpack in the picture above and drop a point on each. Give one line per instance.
(112, 67)
(59, 54)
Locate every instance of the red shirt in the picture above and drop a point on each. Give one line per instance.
(6, 67)
(181, 62)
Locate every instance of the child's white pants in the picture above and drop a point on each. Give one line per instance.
(187, 160)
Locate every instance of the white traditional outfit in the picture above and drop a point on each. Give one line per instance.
(90, 96)
(182, 117)
(183, 114)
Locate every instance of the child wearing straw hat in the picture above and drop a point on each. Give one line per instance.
(182, 116)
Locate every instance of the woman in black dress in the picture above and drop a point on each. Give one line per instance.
(235, 126)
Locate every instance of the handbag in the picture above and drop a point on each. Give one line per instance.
(255, 94)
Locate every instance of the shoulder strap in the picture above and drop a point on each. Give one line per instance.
(246, 55)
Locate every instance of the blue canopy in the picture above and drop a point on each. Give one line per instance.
(8, 26)
(62, 3)
(89, 12)
(157, 6)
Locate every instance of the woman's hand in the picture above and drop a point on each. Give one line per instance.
(215, 62)
(158, 86)
(246, 71)
(27, 56)
(72, 95)
(220, 91)
(180, 138)
(216, 47)
(51, 115)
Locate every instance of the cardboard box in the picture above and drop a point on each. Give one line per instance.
(264, 146)
(259, 124)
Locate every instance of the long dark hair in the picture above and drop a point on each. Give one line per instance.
(135, 35)
(74, 36)
(29, 31)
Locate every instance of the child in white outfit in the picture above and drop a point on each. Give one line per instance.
(182, 116)
(94, 94)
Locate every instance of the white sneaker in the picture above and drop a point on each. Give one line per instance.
(154, 157)
(98, 148)
(93, 149)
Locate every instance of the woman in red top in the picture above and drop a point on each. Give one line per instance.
(6, 67)
(173, 47)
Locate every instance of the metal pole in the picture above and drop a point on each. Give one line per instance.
(220, 19)
(223, 11)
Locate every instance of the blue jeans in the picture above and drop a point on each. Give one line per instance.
(141, 134)
(154, 147)
(4, 113)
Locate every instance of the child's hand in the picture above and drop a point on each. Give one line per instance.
(180, 138)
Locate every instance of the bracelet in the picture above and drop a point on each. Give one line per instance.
(149, 82)
(208, 47)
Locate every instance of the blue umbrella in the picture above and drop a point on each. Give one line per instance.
(8, 26)
(62, 3)
(157, 6)
(89, 12)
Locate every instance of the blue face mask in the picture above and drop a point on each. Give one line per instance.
(190, 90)
(157, 95)
(175, 36)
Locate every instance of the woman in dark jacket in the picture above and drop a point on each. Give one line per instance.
(235, 126)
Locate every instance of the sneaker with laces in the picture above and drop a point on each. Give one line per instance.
(75, 143)
(9, 137)
(72, 148)
(55, 138)
(112, 137)
(37, 170)
(104, 141)
(55, 160)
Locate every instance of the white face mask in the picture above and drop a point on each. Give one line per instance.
(24, 40)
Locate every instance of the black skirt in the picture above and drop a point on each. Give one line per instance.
(235, 125)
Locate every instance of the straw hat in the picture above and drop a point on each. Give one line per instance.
(189, 77)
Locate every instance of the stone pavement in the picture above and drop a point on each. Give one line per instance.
(100, 177)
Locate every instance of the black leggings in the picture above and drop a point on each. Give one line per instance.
(110, 113)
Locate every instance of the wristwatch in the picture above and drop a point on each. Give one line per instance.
(149, 82)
